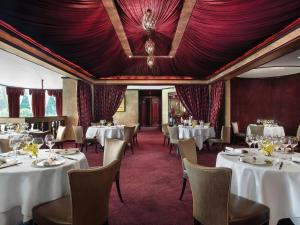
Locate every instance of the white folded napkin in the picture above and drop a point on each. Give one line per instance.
(2, 160)
(296, 159)
(49, 161)
(235, 150)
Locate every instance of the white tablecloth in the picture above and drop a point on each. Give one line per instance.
(276, 131)
(278, 189)
(24, 186)
(103, 132)
(200, 134)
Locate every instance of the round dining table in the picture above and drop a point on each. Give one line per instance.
(199, 133)
(272, 185)
(24, 186)
(104, 132)
(269, 130)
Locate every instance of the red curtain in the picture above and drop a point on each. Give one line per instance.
(107, 100)
(216, 97)
(13, 95)
(58, 98)
(38, 102)
(84, 104)
(195, 99)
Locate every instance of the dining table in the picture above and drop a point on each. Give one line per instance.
(199, 133)
(270, 180)
(104, 132)
(269, 130)
(26, 184)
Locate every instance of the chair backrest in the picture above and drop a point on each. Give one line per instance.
(257, 130)
(174, 134)
(4, 145)
(128, 133)
(61, 133)
(298, 134)
(95, 124)
(211, 193)
(225, 134)
(188, 150)
(235, 127)
(207, 124)
(78, 133)
(90, 191)
(113, 150)
(136, 128)
(164, 128)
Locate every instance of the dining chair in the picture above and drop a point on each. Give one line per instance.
(207, 124)
(128, 137)
(213, 204)
(95, 124)
(174, 137)
(236, 133)
(82, 141)
(4, 145)
(257, 130)
(166, 133)
(59, 141)
(224, 138)
(88, 202)
(113, 150)
(187, 149)
(298, 134)
(135, 135)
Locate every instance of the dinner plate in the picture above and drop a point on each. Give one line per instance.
(67, 151)
(256, 161)
(42, 163)
(8, 162)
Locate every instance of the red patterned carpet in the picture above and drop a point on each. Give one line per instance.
(151, 184)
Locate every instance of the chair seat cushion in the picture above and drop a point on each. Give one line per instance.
(57, 212)
(246, 212)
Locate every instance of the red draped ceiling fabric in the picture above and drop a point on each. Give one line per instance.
(217, 32)
(38, 102)
(13, 95)
(107, 99)
(195, 99)
(216, 97)
(58, 98)
(84, 104)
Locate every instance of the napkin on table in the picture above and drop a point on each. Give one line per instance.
(235, 150)
(296, 159)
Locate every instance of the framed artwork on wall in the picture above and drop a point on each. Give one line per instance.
(122, 107)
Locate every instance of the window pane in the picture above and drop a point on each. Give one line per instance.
(3, 102)
(50, 109)
(25, 104)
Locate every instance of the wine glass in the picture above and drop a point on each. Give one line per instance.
(14, 143)
(293, 143)
(49, 141)
(249, 139)
(38, 141)
(28, 139)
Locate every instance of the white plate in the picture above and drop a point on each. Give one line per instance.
(256, 161)
(67, 151)
(41, 163)
(9, 162)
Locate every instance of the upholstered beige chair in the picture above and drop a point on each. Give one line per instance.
(236, 133)
(224, 139)
(257, 130)
(135, 135)
(81, 140)
(187, 149)
(113, 150)
(60, 136)
(166, 133)
(174, 137)
(128, 137)
(89, 200)
(214, 205)
(298, 134)
(4, 145)
(95, 124)
(207, 124)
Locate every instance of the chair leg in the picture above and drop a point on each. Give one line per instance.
(168, 141)
(86, 147)
(171, 145)
(131, 146)
(117, 180)
(96, 147)
(196, 222)
(164, 140)
(183, 188)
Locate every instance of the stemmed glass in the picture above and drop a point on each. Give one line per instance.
(28, 139)
(293, 143)
(15, 143)
(249, 140)
(39, 142)
(49, 141)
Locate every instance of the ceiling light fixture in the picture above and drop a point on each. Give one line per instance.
(149, 46)
(150, 61)
(148, 21)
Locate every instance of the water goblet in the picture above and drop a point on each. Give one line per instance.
(249, 140)
(49, 141)
(14, 143)
(38, 141)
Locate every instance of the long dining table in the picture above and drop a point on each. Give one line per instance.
(270, 184)
(24, 186)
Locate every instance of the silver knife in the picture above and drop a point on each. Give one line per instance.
(280, 166)
(68, 158)
(9, 165)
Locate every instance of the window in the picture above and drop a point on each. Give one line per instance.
(3, 102)
(50, 109)
(25, 104)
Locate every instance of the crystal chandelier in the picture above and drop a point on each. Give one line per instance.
(148, 21)
(150, 61)
(149, 46)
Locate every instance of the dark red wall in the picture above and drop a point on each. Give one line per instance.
(273, 98)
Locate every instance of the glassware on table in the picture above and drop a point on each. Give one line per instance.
(28, 139)
(15, 142)
(293, 143)
(249, 139)
(38, 141)
(102, 122)
(49, 141)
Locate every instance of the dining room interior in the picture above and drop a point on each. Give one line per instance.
(141, 112)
